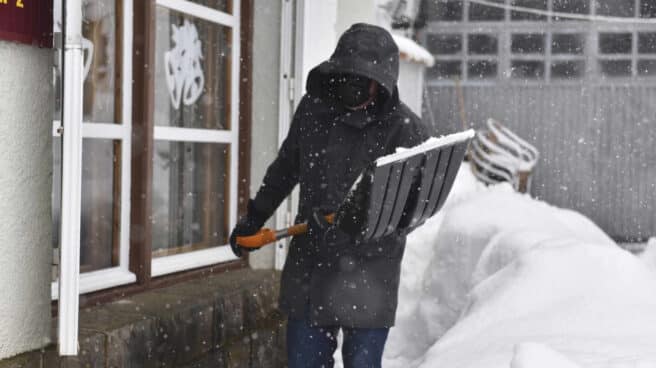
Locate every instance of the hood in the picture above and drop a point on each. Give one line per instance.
(365, 50)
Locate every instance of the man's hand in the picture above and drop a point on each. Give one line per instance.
(246, 226)
(317, 225)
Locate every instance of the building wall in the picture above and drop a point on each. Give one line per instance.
(411, 84)
(266, 66)
(319, 33)
(25, 204)
(596, 144)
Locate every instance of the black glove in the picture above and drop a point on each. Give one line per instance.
(248, 225)
(317, 226)
(323, 233)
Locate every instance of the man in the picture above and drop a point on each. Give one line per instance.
(350, 115)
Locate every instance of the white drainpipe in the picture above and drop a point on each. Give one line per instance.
(73, 66)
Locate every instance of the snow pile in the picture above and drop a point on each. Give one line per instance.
(522, 284)
(532, 355)
(649, 255)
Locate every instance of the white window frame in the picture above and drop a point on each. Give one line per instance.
(120, 130)
(205, 257)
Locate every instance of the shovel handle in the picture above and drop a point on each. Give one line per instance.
(266, 236)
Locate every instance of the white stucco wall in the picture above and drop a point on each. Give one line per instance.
(350, 12)
(266, 66)
(319, 35)
(411, 84)
(25, 184)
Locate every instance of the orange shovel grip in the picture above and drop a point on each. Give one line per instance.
(266, 236)
(262, 237)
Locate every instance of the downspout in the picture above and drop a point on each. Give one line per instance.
(72, 70)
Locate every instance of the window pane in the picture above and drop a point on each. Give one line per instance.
(647, 67)
(100, 46)
(57, 84)
(192, 72)
(482, 44)
(190, 196)
(99, 238)
(567, 43)
(55, 196)
(647, 43)
(221, 5)
(527, 69)
(527, 44)
(445, 70)
(448, 10)
(478, 12)
(533, 4)
(615, 68)
(615, 43)
(444, 44)
(616, 8)
(648, 8)
(571, 6)
(567, 69)
(481, 69)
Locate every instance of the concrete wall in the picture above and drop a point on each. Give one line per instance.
(266, 66)
(25, 204)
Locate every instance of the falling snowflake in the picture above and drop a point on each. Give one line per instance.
(184, 73)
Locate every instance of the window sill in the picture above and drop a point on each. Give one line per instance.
(98, 280)
(182, 262)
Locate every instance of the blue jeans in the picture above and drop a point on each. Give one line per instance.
(313, 347)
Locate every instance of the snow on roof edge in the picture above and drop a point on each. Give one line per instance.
(412, 51)
(430, 143)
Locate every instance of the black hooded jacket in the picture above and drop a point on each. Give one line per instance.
(326, 149)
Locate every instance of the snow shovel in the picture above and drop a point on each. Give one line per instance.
(397, 191)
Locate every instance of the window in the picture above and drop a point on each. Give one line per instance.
(524, 16)
(567, 57)
(615, 54)
(482, 69)
(445, 44)
(615, 8)
(446, 47)
(527, 44)
(482, 52)
(195, 131)
(567, 43)
(570, 6)
(647, 9)
(445, 70)
(482, 44)
(106, 154)
(480, 56)
(527, 50)
(491, 44)
(646, 54)
(194, 160)
(449, 10)
(483, 13)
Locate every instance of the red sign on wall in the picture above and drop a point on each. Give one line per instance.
(26, 21)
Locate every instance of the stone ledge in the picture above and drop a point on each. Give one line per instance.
(225, 320)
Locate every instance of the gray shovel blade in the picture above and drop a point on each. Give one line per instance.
(402, 190)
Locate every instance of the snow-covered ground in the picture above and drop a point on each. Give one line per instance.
(498, 279)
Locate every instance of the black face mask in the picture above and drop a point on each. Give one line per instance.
(351, 90)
